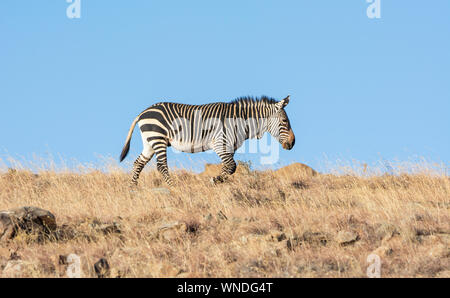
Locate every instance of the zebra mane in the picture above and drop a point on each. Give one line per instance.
(250, 99)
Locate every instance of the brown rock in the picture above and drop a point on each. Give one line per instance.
(7, 227)
(317, 238)
(62, 260)
(276, 236)
(27, 219)
(346, 237)
(19, 269)
(13, 269)
(65, 232)
(108, 228)
(386, 231)
(310, 238)
(295, 170)
(172, 231)
(102, 268)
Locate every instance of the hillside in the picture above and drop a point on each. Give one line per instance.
(258, 224)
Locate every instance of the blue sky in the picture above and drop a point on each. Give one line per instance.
(364, 89)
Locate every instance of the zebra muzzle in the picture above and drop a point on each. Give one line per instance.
(289, 144)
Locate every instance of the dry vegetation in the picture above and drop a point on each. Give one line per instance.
(258, 224)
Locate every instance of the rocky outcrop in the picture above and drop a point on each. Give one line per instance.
(297, 170)
(31, 220)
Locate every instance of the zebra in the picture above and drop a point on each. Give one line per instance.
(220, 126)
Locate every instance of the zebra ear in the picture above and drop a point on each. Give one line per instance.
(282, 103)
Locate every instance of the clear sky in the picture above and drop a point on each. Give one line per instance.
(361, 88)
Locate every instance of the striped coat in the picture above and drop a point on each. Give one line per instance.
(222, 127)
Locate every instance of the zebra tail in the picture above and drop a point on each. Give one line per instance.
(126, 148)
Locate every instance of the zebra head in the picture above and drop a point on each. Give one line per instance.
(279, 126)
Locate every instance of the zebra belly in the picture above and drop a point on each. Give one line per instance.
(190, 147)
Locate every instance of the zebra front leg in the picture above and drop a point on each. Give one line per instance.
(138, 166)
(228, 167)
(161, 165)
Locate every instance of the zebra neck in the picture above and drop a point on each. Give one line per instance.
(256, 128)
(256, 122)
(251, 117)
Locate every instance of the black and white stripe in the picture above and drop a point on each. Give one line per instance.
(222, 127)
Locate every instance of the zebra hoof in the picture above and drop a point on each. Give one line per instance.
(216, 180)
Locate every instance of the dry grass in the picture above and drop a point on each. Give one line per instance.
(255, 225)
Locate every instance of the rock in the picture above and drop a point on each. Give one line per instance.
(62, 260)
(276, 236)
(295, 170)
(7, 227)
(383, 251)
(310, 238)
(65, 233)
(346, 237)
(386, 231)
(300, 184)
(17, 268)
(317, 238)
(292, 243)
(13, 269)
(171, 231)
(102, 268)
(27, 219)
(69, 266)
(108, 228)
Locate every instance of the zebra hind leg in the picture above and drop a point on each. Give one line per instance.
(138, 166)
(161, 165)
(228, 168)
